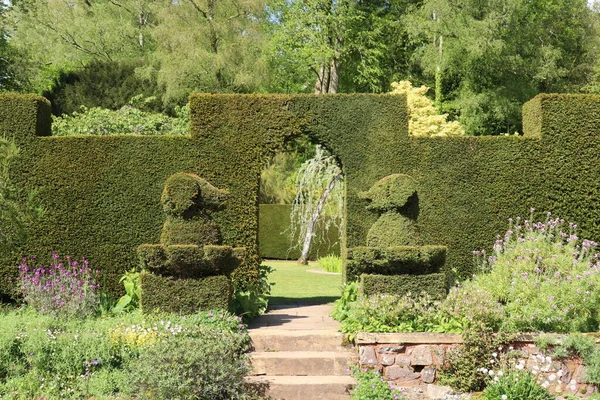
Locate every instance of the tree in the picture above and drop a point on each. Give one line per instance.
(209, 46)
(317, 188)
(485, 64)
(424, 119)
(330, 46)
(63, 35)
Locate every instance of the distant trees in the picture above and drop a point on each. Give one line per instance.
(483, 58)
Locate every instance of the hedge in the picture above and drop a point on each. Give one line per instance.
(184, 296)
(103, 193)
(433, 284)
(273, 235)
(400, 260)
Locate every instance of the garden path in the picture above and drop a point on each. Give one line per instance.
(299, 354)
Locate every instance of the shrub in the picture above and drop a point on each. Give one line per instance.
(128, 120)
(113, 357)
(331, 263)
(207, 365)
(547, 278)
(130, 300)
(371, 386)
(516, 385)
(250, 299)
(69, 290)
(473, 307)
(342, 306)
(390, 313)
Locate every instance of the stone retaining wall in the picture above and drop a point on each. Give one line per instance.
(413, 360)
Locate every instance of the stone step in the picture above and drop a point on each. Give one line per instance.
(302, 363)
(297, 340)
(304, 387)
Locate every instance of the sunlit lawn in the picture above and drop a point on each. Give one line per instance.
(293, 284)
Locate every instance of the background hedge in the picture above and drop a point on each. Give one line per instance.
(274, 235)
(103, 193)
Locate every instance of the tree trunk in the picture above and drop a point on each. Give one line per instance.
(333, 77)
(313, 220)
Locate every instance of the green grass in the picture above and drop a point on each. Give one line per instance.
(293, 284)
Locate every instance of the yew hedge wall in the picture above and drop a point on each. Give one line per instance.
(103, 193)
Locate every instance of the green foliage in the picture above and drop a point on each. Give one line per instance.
(185, 296)
(393, 229)
(516, 385)
(371, 386)
(105, 84)
(433, 284)
(185, 192)
(390, 193)
(17, 210)
(113, 183)
(474, 306)
(207, 365)
(461, 365)
(343, 305)
(587, 349)
(544, 275)
(130, 300)
(251, 300)
(486, 66)
(330, 263)
(127, 120)
(274, 235)
(109, 357)
(395, 260)
(390, 313)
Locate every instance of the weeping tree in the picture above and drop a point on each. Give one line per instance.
(319, 193)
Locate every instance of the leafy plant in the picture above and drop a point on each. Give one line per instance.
(125, 121)
(371, 386)
(516, 385)
(130, 300)
(462, 363)
(67, 290)
(209, 365)
(587, 349)
(544, 275)
(342, 306)
(330, 263)
(391, 313)
(250, 299)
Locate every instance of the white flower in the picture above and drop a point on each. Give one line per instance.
(548, 360)
(500, 373)
(496, 379)
(519, 366)
(552, 377)
(504, 397)
(573, 387)
(484, 370)
(545, 384)
(573, 382)
(494, 355)
(560, 373)
(491, 373)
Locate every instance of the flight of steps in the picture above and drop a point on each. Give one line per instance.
(298, 354)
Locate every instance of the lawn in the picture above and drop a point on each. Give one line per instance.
(294, 284)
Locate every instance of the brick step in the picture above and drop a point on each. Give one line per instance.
(297, 340)
(302, 363)
(304, 387)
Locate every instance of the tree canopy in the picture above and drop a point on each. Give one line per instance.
(484, 58)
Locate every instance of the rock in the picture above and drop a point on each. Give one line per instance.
(367, 356)
(391, 349)
(387, 359)
(428, 375)
(400, 373)
(435, 392)
(403, 361)
(421, 355)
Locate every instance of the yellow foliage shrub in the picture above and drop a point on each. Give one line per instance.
(424, 119)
